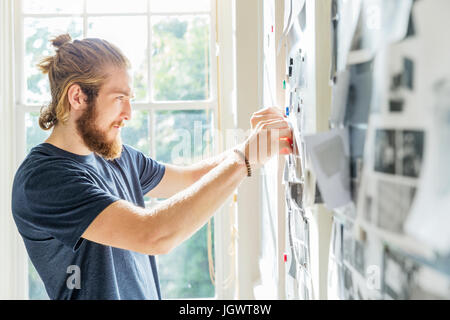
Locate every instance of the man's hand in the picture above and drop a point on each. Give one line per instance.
(269, 113)
(271, 135)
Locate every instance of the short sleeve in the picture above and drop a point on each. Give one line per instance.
(61, 201)
(150, 171)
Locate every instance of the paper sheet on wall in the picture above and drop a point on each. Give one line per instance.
(381, 22)
(346, 18)
(429, 219)
(292, 10)
(329, 153)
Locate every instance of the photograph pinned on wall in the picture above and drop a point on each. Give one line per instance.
(380, 23)
(295, 194)
(305, 287)
(297, 70)
(399, 152)
(406, 277)
(357, 136)
(298, 25)
(303, 257)
(411, 152)
(292, 263)
(427, 283)
(344, 18)
(393, 205)
(292, 9)
(334, 280)
(329, 153)
(295, 172)
(397, 271)
(401, 82)
(359, 94)
(285, 173)
(368, 208)
(298, 225)
(429, 219)
(353, 249)
(335, 275)
(385, 151)
(348, 243)
(349, 289)
(359, 259)
(336, 240)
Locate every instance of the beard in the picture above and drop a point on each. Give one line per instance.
(96, 139)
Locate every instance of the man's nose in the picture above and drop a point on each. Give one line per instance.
(127, 111)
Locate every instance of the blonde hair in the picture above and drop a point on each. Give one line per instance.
(82, 62)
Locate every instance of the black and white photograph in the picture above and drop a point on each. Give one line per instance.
(393, 205)
(400, 82)
(385, 151)
(410, 154)
(357, 136)
(359, 94)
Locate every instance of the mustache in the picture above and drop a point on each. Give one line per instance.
(121, 124)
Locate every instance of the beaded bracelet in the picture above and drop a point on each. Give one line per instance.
(249, 169)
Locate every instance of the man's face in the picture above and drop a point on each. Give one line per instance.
(100, 124)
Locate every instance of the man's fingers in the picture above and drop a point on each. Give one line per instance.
(264, 117)
(270, 110)
(273, 124)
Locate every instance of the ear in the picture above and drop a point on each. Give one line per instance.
(76, 97)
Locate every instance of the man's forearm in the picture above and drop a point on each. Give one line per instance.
(201, 168)
(180, 216)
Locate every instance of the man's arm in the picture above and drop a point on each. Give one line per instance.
(158, 230)
(178, 178)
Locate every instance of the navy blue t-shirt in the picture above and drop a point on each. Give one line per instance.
(56, 195)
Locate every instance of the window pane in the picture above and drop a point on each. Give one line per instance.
(130, 35)
(180, 58)
(37, 33)
(181, 138)
(52, 6)
(36, 288)
(184, 273)
(35, 135)
(180, 5)
(136, 132)
(116, 6)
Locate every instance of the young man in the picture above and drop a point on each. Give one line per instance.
(78, 198)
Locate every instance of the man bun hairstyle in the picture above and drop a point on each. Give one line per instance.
(83, 62)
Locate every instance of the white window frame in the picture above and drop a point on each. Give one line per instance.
(21, 108)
